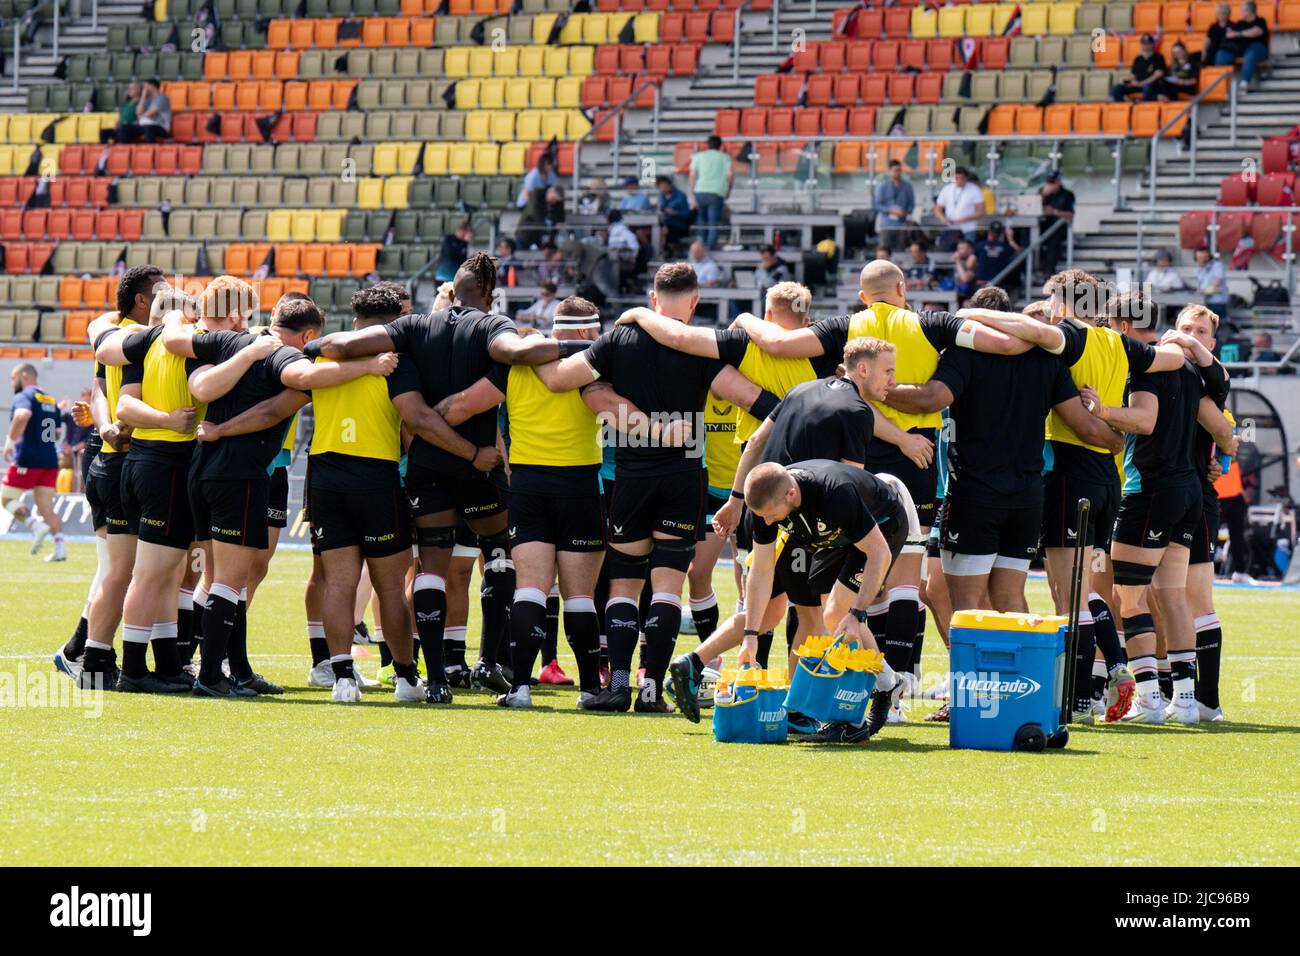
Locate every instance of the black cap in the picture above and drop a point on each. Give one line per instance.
(1054, 176)
(995, 225)
(1148, 38)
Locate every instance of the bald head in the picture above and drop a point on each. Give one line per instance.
(882, 281)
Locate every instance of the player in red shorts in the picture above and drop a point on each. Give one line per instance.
(31, 448)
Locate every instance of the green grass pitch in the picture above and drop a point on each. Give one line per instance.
(298, 780)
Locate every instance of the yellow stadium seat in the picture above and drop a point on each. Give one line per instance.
(384, 159)
(646, 28)
(478, 124)
(518, 94)
(532, 60)
(542, 24)
(485, 159)
(578, 125)
(568, 92)
(925, 23)
(49, 164)
(435, 159)
(501, 126)
(6, 160)
(541, 93)
(370, 193)
(556, 61)
(617, 21)
(279, 224)
(595, 29)
(467, 94)
(582, 60)
(571, 32)
(408, 154)
(481, 61)
(304, 225)
(1001, 17)
(396, 189)
(329, 224)
(20, 128)
(555, 124)
(514, 156)
(461, 159)
(528, 125)
(506, 62)
(952, 21)
(1034, 18)
(455, 62)
(65, 130)
(979, 19)
(88, 127)
(1061, 18)
(492, 94)
(4, 127)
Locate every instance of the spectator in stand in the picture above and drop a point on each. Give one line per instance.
(994, 252)
(155, 113)
(1184, 74)
(552, 267)
(127, 129)
(594, 200)
(895, 203)
(918, 270)
(554, 210)
(1217, 40)
(1163, 277)
(1225, 41)
(965, 268)
(960, 204)
(674, 211)
(454, 251)
(537, 180)
(771, 269)
(1212, 282)
(1262, 349)
(1058, 203)
(634, 200)
(621, 239)
(1146, 75)
(541, 314)
(710, 184)
(707, 271)
(884, 252)
(506, 264)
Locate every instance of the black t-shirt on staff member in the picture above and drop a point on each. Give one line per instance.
(826, 418)
(661, 382)
(839, 505)
(444, 353)
(1145, 66)
(1166, 457)
(241, 457)
(1062, 201)
(999, 405)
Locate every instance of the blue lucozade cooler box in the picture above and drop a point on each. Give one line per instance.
(1007, 672)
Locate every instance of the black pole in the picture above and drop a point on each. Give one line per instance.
(1076, 592)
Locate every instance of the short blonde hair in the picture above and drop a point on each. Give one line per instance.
(765, 484)
(789, 297)
(1040, 310)
(1194, 310)
(226, 296)
(864, 349)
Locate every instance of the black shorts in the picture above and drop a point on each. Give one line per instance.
(672, 504)
(1205, 537)
(1061, 494)
(791, 575)
(1006, 536)
(231, 511)
(806, 576)
(156, 501)
(104, 495)
(378, 521)
(1155, 519)
(712, 505)
(277, 503)
(431, 492)
(571, 524)
(921, 483)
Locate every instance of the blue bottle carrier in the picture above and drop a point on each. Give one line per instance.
(1007, 679)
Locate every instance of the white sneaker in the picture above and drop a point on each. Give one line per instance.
(39, 534)
(346, 691)
(73, 668)
(60, 551)
(1179, 712)
(321, 675)
(520, 699)
(1098, 708)
(938, 692)
(405, 691)
(1083, 717)
(898, 712)
(1241, 577)
(1140, 713)
(366, 683)
(1210, 715)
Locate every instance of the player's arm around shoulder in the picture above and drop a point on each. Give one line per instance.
(783, 343)
(1137, 418)
(268, 412)
(1089, 427)
(307, 375)
(465, 404)
(338, 346)
(672, 334)
(1007, 333)
(210, 382)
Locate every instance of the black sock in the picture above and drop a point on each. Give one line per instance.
(166, 659)
(878, 625)
(1085, 651)
(1209, 645)
(551, 643)
(621, 629)
(453, 647)
(185, 633)
(705, 617)
(385, 655)
(320, 651)
(430, 599)
(97, 660)
(1098, 679)
(76, 645)
(919, 645)
(237, 650)
(764, 651)
(196, 633)
(1165, 674)
(342, 667)
(661, 625)
(496, 596)
(218, 621)
(1103, 623)
(407, 671)
(527, 633)
(584, 638)
(900, 629)
(135, 647)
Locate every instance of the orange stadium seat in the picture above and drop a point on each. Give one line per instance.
(885, 56)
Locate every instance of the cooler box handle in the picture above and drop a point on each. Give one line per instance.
(997, 657)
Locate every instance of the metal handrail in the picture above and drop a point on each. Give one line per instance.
(1026, 255)
(615, 115)
(1289, 228)
(1192, 107)
(735, 40)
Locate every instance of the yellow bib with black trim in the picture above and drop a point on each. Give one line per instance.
(1104, 366)
(113, 389)
(166, 387)
(776, 375)
(549, 428)
(915, 359)
(721, 451)
(356, 418)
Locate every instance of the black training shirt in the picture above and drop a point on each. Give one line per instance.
(1165, 458)
(839, 505)
(826, 418)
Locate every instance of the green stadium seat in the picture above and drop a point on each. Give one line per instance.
(268, 192)
(354, 126)
(198, 192)
(320, 192)
(293, 192)
(354, 226)
(172, 189)
(420, 195)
